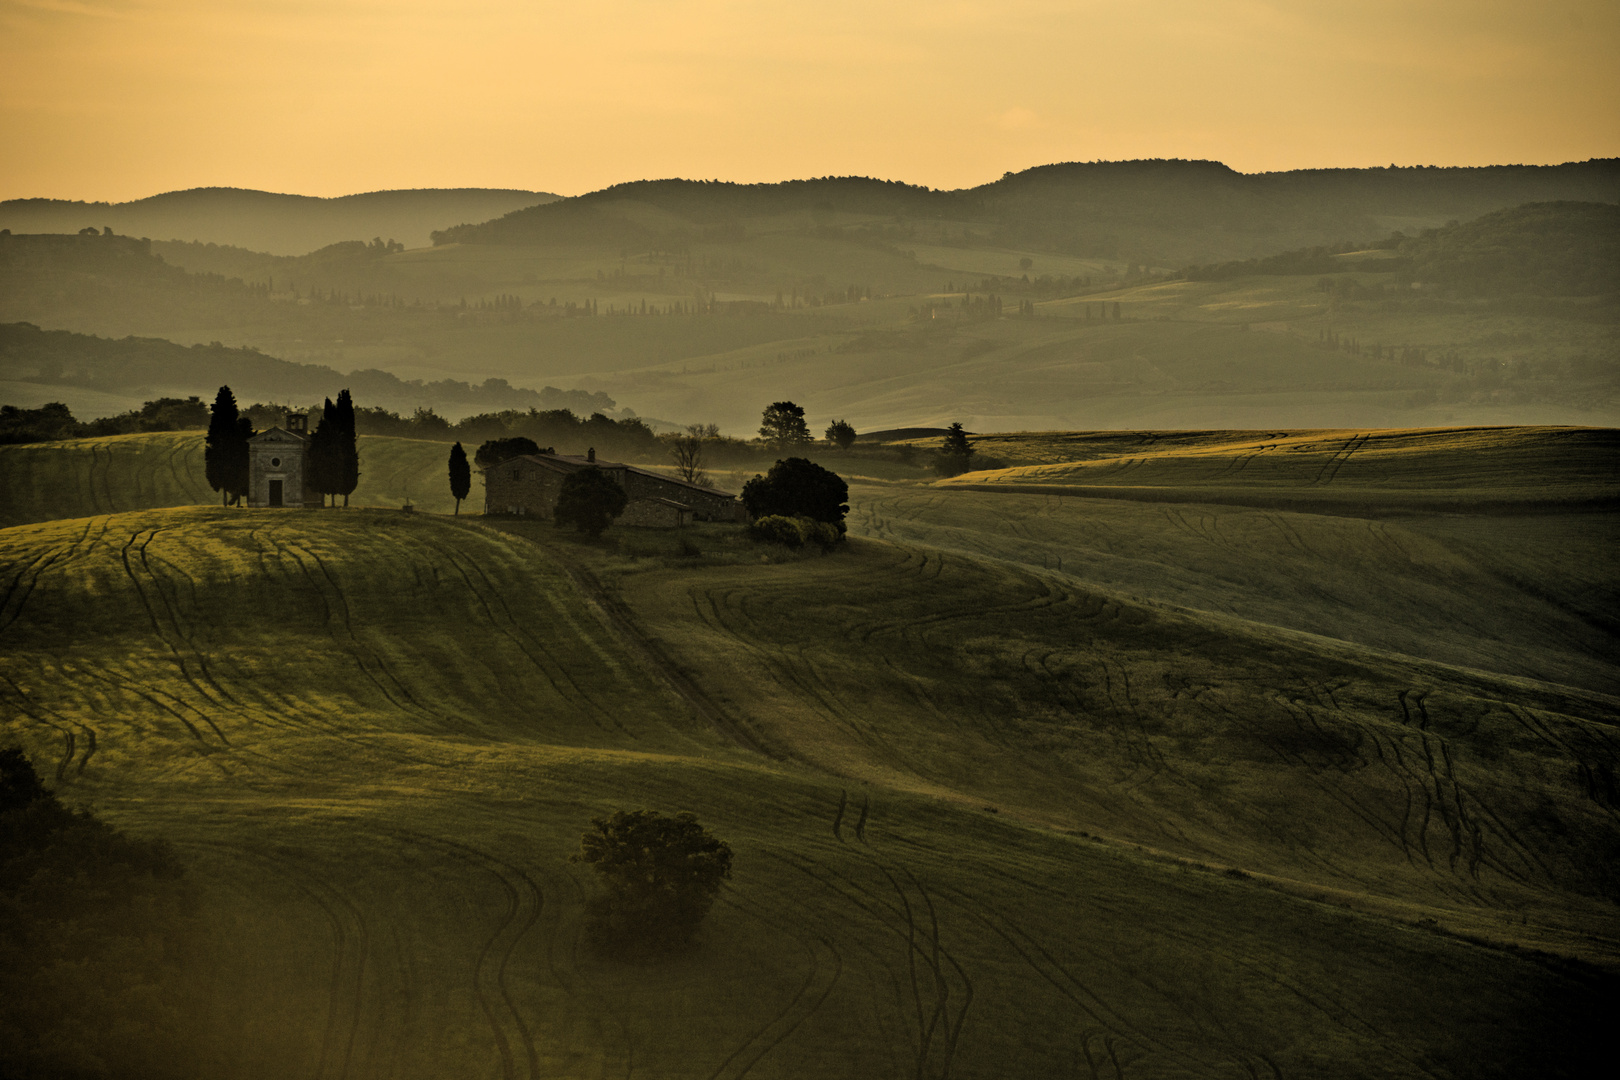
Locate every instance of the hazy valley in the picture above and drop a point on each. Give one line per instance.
(1244, 705)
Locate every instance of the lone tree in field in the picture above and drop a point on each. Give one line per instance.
(687, 451)
(225, 448)
(840, 434)
(783, 427)
(661, 873)
(797, 487)
(460, 476)
(589, 500)
(954, 452)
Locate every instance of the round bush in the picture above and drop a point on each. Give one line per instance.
(778, 529)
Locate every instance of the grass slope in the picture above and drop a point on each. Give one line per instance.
(82, 477)
(377, 737)
(1375, 471)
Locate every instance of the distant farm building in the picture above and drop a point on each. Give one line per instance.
(277, 460)
(530, 483)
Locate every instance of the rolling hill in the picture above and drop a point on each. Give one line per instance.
(266, 221)
(890, 331)
(1085, 841)
(1157, 212)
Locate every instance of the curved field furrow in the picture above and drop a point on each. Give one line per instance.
(821, 979)
(511, 1031)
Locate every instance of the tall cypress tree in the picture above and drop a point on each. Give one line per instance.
(225, 448)
(240, 455)
(460, 475)
(348, 451)
(323, 460)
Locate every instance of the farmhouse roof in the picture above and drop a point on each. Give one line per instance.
(567, 463)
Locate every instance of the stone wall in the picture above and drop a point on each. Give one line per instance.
(653, 514)
(706, 505)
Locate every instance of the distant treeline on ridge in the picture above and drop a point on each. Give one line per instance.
(69, 359)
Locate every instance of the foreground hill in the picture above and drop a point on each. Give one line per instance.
(265, 221)
(376, 737)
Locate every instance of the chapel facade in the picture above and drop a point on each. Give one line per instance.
(278, 473)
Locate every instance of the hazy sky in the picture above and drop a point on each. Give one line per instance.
(117, 99)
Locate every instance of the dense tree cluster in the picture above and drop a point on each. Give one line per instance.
(56, 421)
(629, 438)
(797, 487)
(333, 462)
(94, 927)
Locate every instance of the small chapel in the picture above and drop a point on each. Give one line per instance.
(277, 466)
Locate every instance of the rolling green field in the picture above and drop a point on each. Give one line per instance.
(1130, 788)
(82, 477)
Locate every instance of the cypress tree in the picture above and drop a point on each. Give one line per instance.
(460, 475)
(348, 452)
(324, 462)
(225, 448)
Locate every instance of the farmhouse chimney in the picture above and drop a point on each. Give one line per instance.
(590, 455)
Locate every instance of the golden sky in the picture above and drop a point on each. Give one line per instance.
(118, 99)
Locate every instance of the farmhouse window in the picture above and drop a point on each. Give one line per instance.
(517, 474)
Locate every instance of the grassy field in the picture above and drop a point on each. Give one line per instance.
(82, 477)
(1378, 471)
(1230, 798)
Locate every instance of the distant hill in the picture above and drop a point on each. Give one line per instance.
(1538, 249)
(61, 359)
(1550, 249)
(1160, 212)
(270, 222)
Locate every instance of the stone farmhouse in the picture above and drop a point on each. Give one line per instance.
(277, 475)
(530, 483)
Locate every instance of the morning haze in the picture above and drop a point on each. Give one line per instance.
(1106, 571)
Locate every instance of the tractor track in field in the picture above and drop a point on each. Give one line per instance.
(157, 626)
(24, 581)
(1336, 460)
(1116, 1026)
(335, 607)
(491, 986)
(618, 1050)
(351, 947)
(64, 727)
(514, 631)
(172, 610)
(937, 1032)
(622, 622)
(1319, 998)
(813, 992)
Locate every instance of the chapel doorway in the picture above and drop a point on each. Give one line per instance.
(275, 493)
